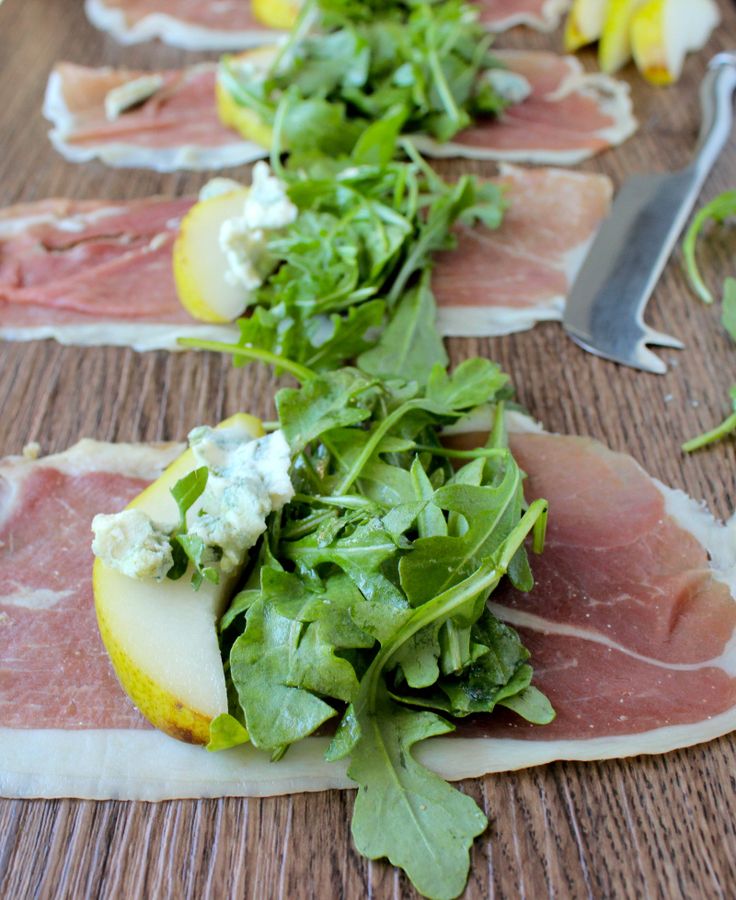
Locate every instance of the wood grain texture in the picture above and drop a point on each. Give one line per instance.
(642, 828)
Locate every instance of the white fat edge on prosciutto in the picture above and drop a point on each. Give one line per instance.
(131, 764)
(545, 19)
(172, 30)
(139, 336)
(495, 321)
(612, 96)
(119, 154)
(190, 36)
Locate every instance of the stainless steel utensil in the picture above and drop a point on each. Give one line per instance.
(604, 312)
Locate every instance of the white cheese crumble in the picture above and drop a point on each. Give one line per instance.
(248, 479)
(133, 544)
(122, 97)
(509, 86)
(243, 238)
(246, 482)
(216, 187)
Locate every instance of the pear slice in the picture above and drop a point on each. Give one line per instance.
(663, 32)
(162, 637)
(246, 121)
(614, 50)
(584, 23)
(200, 265)
(276, 13)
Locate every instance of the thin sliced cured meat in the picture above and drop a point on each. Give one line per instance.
(94, 272)
(100, 273)
(176, 128)
(55, 672)
(231, 25)
(632, 627)
(500, 15)
(190, 24)
(568, 117)
(505, 280)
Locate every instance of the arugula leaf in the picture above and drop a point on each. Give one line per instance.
(728, 316)
(410, 346)
(405, 812)
(717, 210)
(726, 428)
(187, 491)
(226, 732)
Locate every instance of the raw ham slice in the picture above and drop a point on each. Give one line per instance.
(632, 626)
(55, 672)
(505, 280)
(230, 24)
(177, 128)
(100, 273)
(568, 117)
(94, 272)
(190, 24)
(500, 15)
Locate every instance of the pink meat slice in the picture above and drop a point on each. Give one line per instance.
(568, 116)
(628, 628)
(93, 260)
(531, 260)
(55, 672)
(182, 112)
(221, 15)
(498, 15)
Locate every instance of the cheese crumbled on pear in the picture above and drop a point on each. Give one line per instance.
(132, 543)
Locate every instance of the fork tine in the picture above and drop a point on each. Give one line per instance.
(660, 339)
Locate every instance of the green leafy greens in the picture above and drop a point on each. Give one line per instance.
(366, 600)
(718, 210)
(349, 63)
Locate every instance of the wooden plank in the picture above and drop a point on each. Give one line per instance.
(649, 827)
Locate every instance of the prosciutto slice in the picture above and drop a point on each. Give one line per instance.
(632, 627)
(94, 272)
(500, 15)
(176, 128)
(505, 280)
(568, 117)
(230, 24)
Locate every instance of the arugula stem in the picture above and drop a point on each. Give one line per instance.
(711, 437)
(301, 373)
(462, 454)
(376, 438)
(442, 606)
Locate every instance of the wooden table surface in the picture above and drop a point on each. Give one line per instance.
(647, 827)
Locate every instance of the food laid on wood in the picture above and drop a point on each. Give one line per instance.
(236, 24)
(567, 116)
(657, 34)
(324, 599)
(509, 270)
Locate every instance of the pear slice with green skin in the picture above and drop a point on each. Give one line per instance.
(584, 23)
(200, 265)
(276, 13)
(614, 50)
(242, 119)
(162, 636)
(663, 32)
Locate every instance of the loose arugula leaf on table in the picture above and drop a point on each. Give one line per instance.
(426, 64)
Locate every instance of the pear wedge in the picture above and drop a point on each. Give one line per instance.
(663, 32)
(246, 121)
(276, 13)
(584, 23)
(162, 637)
(614, 50)
(200, 265)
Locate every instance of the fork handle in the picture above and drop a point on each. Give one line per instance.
(716, 103)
